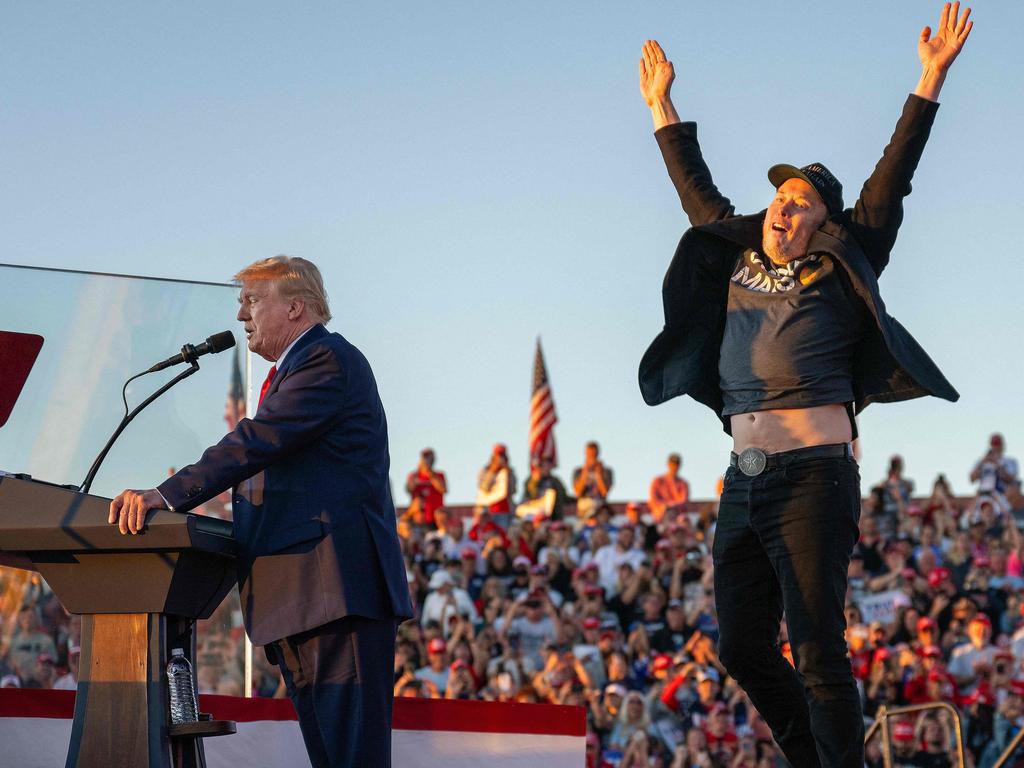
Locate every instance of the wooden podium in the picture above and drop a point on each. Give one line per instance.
(139, 596)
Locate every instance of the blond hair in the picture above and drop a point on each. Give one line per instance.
(295, 278)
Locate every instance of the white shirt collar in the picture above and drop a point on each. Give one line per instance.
(280, 360)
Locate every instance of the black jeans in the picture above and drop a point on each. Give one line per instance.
(783, 544)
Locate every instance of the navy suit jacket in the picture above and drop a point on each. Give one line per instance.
(313, 514)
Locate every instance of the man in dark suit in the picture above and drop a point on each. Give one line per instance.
(320, 571)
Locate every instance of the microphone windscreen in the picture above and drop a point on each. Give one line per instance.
(221, 341)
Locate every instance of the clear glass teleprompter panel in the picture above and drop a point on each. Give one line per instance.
(98, 330)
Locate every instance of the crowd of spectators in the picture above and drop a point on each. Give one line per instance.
(554, 595)
(611, 607)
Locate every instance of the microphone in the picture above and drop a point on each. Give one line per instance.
(216, 343)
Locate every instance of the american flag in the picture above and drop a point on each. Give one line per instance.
(234, 408)
(542, 413)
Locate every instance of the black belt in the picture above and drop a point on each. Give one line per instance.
(754, 461)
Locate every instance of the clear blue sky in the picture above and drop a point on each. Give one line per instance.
(471, 175)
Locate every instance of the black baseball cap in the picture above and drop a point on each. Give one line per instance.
(818, 176)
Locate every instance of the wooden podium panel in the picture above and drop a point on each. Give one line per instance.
(139, 597)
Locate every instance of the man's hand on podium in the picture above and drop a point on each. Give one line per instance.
(128, 509)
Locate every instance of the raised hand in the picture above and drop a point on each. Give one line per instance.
(938, 51)
(656, 76)
(656, 73)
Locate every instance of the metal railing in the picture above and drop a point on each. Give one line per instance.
(882, 721)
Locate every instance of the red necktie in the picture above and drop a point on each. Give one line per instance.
(266, 383)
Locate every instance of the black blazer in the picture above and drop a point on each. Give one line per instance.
(889, 364)
(313, 514)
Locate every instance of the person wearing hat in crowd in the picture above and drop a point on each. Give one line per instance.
(446, 600)
(775, 322)
(436, 669)
(669, 492)
(606, 710)
(971, 662)
(496, 485)
(903, 746)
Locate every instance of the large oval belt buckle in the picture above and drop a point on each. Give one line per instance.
(752, 462)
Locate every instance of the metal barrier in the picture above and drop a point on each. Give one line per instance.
(884, 713)
(1010, 749)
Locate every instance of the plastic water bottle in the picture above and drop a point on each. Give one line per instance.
(184, 708)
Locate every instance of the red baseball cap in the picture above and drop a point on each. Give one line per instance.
(593, 589)
(903, 731)
(937, 576)
(931, 652)
(926, 622)
(591, 622)
(437, 645)
(981, 561)
(981, 618)
(661, 661)
(1017, 686)
(468, 553)
(458, 664)
(558, 525)
(500, 448)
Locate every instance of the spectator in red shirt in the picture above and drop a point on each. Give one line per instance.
(426, 488)
(669, 492)
(720, 735)
(484, 528)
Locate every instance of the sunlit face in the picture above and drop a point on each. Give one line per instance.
(270, 320)
(793, 217)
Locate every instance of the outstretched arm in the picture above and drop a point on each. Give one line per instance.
(877, 216)
(701, 200)
(937, 52)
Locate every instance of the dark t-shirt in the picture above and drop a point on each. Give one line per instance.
(790, 335)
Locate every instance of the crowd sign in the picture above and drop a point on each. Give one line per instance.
(882, 606)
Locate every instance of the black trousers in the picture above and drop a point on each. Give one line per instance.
(782, 545)
(340, 679)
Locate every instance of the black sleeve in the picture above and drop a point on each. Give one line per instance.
(700, 197)
(878, 213)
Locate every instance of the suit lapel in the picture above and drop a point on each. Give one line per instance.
(313, 334)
